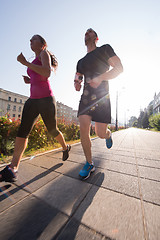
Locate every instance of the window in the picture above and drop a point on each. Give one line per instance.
(15, 100)
(9, 98)
(8, 107)
(20, 100)
(14, 115)
(14, 108)
(20, 108)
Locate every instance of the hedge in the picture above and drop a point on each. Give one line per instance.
(39, 136)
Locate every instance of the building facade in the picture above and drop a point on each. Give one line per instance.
(156, 104)
(11, 105)
(66, 114)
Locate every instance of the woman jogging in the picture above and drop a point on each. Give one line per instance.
(41, 102)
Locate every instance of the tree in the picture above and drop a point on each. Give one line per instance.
(141, 115)
(154, 121)
(145, 120)
(132, 120)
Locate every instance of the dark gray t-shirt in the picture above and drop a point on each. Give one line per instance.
(92, 65)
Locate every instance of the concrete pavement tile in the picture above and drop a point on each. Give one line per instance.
(78, 158)
(122, 158)
(32, 177)
(121, 183)
(149, 173)
(55, 154)
(102, 155)
(125, 152)
(150, 155)
(112, 214)
(31, 219)
(64, 193)
(152, 216)
(123, 168)
(148, 163)
(116, 166)
(150, 191)
(70, 169)
(75, 230)
(45, 161)
(10, 194)
(101, 162)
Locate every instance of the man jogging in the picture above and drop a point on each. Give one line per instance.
(94, 104)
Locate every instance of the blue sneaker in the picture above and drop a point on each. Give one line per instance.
(109, 142)
(86, 171)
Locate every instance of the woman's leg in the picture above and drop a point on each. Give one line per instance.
(61, 140)
(85, 123)
(29, 116)
(47, 109)
(20, 146)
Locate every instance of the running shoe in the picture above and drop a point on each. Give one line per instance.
(66, 153)
(86, 171)
(8, 175)
(109, 142)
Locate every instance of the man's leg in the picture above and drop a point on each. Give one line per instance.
(102, 131)
(85, 122)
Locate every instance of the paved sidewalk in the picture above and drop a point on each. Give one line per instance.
(121, 199)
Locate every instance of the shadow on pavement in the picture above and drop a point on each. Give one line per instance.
(70, 230)
(13, 191)
(32, 218)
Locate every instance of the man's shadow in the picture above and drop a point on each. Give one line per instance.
(69, 231)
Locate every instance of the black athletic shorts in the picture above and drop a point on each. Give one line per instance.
(99, 109)
(46, 107)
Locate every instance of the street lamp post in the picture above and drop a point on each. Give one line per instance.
(117, 111)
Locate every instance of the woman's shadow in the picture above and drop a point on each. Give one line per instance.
(69, 231)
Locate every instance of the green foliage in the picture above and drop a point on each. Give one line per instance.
(154, 121)
(72, 132)
(145, 120)
(8, 132)
(133, 121)
(38, 138)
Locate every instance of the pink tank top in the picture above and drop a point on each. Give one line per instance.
(40, 86)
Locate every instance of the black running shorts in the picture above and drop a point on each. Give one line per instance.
(46, 107)
(99, 110)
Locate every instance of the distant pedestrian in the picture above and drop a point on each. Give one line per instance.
(94, 104)
(41, 102)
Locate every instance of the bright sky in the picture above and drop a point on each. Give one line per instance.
(130, 27)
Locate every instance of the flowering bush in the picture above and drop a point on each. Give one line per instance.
(8, 132)
(38, 138)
